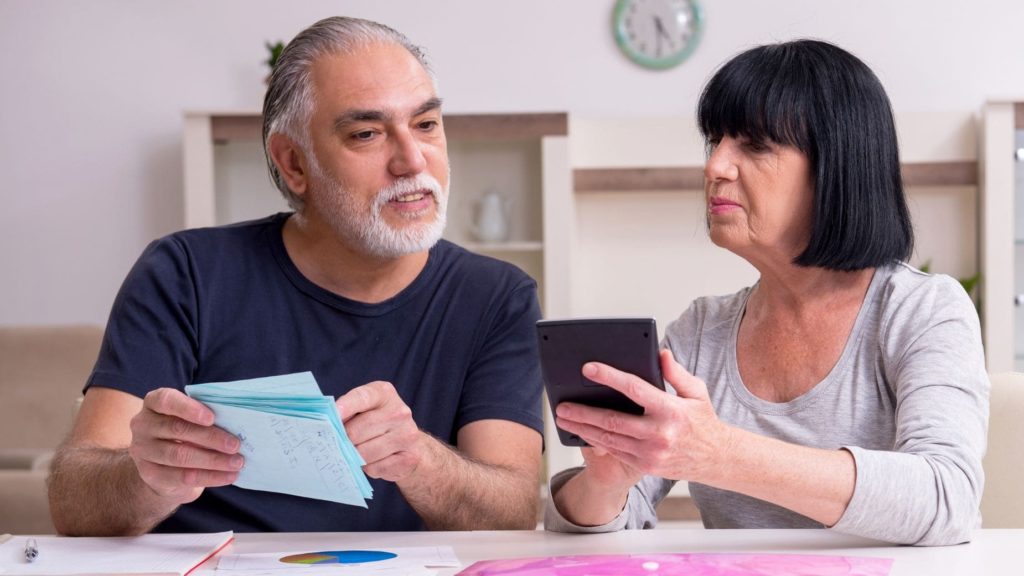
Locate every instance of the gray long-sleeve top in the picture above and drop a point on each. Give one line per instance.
(908, 399)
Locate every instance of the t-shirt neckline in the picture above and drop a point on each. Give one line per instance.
(275, 240)
(735, 381)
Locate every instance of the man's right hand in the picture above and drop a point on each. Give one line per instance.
(177, 449)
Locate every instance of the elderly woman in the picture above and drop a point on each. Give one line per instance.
(845, 389)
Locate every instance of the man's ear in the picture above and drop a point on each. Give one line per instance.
(290, 159)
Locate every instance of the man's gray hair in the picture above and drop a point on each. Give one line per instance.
(290, 97)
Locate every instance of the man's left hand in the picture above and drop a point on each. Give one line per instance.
(381, 427)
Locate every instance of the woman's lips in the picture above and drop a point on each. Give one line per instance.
(719, 205)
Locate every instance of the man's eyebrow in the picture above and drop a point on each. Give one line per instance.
(354, 116)
(428, 106)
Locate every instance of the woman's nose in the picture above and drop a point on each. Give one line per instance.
(721, 164)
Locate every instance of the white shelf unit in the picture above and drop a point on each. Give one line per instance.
(1002, 255)
(522, 156)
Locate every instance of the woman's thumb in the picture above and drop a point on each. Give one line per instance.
(685, 384)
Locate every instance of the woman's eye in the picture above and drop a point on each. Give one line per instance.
(757, 146)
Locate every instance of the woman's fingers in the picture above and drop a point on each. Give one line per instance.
(600, 437)
(635, 388)
(635, 426)
(685, 384)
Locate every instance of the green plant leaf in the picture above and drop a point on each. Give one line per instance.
(970, 283)
(275, 53)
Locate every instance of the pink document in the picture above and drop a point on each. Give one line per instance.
(684, 565)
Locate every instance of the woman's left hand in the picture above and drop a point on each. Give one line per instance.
(677, 437)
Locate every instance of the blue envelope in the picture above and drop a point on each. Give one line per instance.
(292, 439)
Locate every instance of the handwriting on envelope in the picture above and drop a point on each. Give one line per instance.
(292, 439)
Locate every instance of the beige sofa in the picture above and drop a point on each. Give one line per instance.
(42, 371)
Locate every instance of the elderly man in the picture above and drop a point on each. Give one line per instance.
(428, 348)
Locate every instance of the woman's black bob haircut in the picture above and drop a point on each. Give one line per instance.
(825, 102)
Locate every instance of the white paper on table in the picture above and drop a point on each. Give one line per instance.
(147, 554)
(410, 557)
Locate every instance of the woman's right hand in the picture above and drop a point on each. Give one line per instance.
(607, 471)
(598, 493)
(678, 437)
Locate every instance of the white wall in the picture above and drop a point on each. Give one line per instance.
(93, 92)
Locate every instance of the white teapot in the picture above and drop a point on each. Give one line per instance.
(491, 222)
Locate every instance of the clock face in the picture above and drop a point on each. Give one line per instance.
(657, 33)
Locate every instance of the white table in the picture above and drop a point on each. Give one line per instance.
(992, 552)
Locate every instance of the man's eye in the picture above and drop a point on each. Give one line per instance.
(428, 125)
(364, 135)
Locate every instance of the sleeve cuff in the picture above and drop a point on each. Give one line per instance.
(555, 522)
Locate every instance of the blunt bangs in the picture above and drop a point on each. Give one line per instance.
(826, 103)
(751, 97)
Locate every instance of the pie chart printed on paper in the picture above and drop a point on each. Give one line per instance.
(339, 557)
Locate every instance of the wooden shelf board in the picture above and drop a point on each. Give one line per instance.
(956, 173)
(626, 179)
(224, 128)
(506, 126)
(495, 247)
(497, 127)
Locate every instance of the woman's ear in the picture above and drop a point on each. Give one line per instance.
(290, 159)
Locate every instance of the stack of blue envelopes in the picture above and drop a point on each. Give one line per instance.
(292, 439)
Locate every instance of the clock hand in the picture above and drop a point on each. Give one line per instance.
(659, 30)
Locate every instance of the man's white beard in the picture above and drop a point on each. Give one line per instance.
(368, 232)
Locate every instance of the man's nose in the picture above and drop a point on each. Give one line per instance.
(407, 157)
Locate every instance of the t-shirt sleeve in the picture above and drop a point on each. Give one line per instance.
(933, 476)
(151, 338)
(504, 381)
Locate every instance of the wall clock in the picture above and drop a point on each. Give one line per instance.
(657, 34)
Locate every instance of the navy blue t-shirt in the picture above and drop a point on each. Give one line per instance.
(227, 303)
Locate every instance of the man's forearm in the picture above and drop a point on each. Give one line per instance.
(97, 491)
(457, 493)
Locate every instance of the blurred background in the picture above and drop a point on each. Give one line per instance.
(94, 93)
